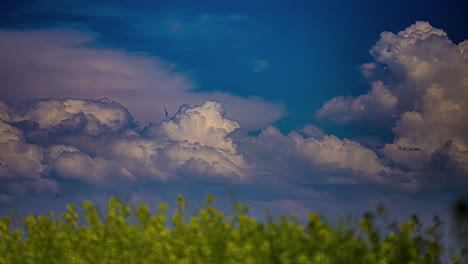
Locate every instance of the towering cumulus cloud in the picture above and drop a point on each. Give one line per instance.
(194, 143)
(419, 82)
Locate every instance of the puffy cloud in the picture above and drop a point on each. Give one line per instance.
(343, 154)
(376, 105)
(76, 165)
(194, 140)
(89, 116)
(439, 128)
(104, 150)
(424, 77)
(164, 159)
(406, 65)
(18, 158)
(21, 166)
(415, 60)
(198, 142)
(64, 63)
(313, 157)
(204, 124)
(4, 111)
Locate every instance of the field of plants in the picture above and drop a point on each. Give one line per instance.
(131, 236)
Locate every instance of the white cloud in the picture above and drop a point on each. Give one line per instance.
(204, 124)
(91, 117)
(379, 103)
(95, 170)
(425, 79)
(439, 125)
(342, 154)
(195, 139)
(309, 156)
(18, 159)
(194, 142)
(21, 166)
(325, 157)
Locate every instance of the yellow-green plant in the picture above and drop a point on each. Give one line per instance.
(210, 237)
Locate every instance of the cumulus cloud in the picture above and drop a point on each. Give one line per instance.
(77, 165)
(18, 158)
(423, 80)
(198, 142)
(92, 117)
(315, 157)
(376, 105)
(66, 63)
(204, 124)
(21, 166)
(95, 142)
(195, 140)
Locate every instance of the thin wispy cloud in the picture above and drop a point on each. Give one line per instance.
(260, 65)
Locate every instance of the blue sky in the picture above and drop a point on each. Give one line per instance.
(301, 115)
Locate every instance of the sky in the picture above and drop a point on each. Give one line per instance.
(298, 106)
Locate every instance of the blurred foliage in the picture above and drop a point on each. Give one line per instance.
(210, 237)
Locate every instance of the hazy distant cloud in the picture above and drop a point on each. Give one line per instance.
(260, 65)
(63, 64)
(420, 79)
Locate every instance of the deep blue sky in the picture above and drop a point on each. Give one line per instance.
(271, 64)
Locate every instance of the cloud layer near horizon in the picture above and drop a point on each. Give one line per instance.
(97, 142)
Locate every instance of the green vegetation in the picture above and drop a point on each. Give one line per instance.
(212, 238)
